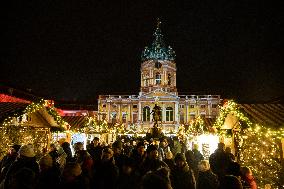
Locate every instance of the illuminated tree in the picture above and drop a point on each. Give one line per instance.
(261, 151)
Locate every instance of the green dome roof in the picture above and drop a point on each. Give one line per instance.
(158, 50)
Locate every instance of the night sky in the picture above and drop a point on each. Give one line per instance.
(75, 50)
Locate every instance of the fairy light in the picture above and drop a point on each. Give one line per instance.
(262, 145)
(12, 130)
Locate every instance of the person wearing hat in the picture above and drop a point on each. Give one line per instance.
(182, 177)
(72, 177)
(118, 156)
(25, 159)
(206, 178)
(106, 172)
(8, 160)
(152, 161)
(138, 154)
(49, 176)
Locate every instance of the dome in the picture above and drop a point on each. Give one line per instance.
(158, 50)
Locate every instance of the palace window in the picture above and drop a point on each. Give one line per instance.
(214, 105)
(181, 118)
(104, 105)
(191, 106)
(134, 105)
(158, 79)
(146, 113)
(124, 117)
(202, 106)
(113, 117)
(181, 106)
(169, 114)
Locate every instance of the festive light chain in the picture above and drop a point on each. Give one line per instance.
(230, 107)
(261, 151)
(33, 107)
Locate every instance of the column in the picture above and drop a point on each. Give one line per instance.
(129, 114)
(108, 111)
(139, 112)
(119, 116)
(163, 112)
(176, 112)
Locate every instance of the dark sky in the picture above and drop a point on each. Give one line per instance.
(76, 50)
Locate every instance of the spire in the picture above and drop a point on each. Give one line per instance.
(158, 36)
(158, 49)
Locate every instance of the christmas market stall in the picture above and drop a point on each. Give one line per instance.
(256, 133)
(28, 123)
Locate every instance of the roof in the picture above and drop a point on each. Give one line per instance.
(271, 115)
(209, 122)
(158, 50)
(10, 108)
(76, 122)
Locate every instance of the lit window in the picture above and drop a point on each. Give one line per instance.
(158, 79)
(191, 106)
(214, 105)
(146, 113)
(169, 114)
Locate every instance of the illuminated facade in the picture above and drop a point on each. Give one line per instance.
(158, 86)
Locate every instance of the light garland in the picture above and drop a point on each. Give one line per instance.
(230, 107)
(258, 147)
(196, 127)
(12, 132)
(261, 151)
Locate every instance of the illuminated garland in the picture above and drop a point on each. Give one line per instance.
(181, 133)
(258, 147)
(260, 150)
(196, 127)
(230, 107)
(33, 107)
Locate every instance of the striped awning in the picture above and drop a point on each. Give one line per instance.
(271, 115)
(209, 122)
(76, 122)
(11, 108)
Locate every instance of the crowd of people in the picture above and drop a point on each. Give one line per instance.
(122, 165)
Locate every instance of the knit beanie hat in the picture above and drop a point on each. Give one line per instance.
(27, 151)
(16, 147)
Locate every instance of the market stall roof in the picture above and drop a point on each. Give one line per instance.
(271, 115)
(76, 122)
(10, 108)
(209, 122)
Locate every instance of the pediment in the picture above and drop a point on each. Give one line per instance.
(159, 93)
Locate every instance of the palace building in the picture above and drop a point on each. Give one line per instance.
(158, 86)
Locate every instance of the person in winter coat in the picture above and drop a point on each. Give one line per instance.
(67, 149)
(7, 160)
(152, 162)
(72, 177)
(230, 182)
(182, 177)
(49, 175)
(26, 159)
(219, 161)
(206, 179)
(155, 180)
(169, 160)
(247, 178)
(106, 173)
(128, 179)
